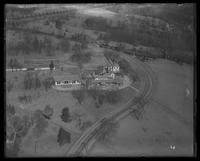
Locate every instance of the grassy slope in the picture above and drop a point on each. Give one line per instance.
(159, 127)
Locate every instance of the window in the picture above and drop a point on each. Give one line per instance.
(66, 82)
(58, 83)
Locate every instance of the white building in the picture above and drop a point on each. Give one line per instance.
(64, 81)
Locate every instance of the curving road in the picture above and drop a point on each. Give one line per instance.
(88, 137)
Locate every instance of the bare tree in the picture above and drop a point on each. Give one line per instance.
(107, 132)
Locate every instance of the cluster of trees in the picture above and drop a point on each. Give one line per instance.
(59, 21)
(79, 95)
(79, 56)
(13, 11)
(40, 123)
(39, 120)
(173, 14)
(104, 37)
(65, 116)
(97, 23)
(31, 44)
(48, 82)
(127, 70)
(48, 111)
(32, 81)
(18, 127)
(64, 44)
(100, 97)
(21, 125)
(25, 98)
(80, 37)
(107, 132)
(85, 125)
(144, 35)
(14, 63)
(63, 137)
(83, 42)
(10, 109)
(9, 85)
(110, 55)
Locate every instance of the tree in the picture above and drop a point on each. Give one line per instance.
(51, 65)
(107, 132)
(112, 97)
(63, 137)
(9, 86)
(28, 81)
(58, 24)
(48, 46)
(27, 124)
(40, 123)
(65, 116)
(95, 93)
(17, 123)
(14, 149)
(48, 111)
(37, 82)
(110, 55)
(11, 109)
(79, 95)
(65, 44)
(85, 125)
(16, 64)
(124, 66)
(48, 82)
(81, 57)
(36, 44)
(10, 63)
(101, 99)
(26, 45)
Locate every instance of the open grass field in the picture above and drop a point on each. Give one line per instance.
(165, 124)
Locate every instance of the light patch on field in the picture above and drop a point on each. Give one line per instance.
(187, 92)
(89, 10)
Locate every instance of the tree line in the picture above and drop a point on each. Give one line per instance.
(32, 44)
(144, 35)
(32, 81)
(99, 96)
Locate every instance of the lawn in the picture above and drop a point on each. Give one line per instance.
(165, 128)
